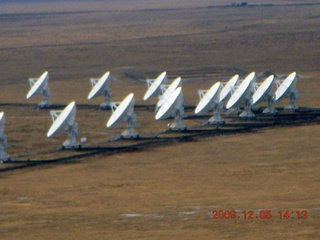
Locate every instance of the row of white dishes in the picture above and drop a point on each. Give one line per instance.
(235, 93)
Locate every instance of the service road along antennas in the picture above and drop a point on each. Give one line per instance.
(64, 121)
(40, 86)
(167, 90)
(287, 88)
(101, 86)
(3, 140)
(243, 95)
(210, 100)
(124, 112)
(265, 91)
(154, 86)
(173, 106)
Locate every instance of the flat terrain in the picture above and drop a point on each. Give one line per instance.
(165, 191)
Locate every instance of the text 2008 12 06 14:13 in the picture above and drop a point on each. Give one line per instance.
(259, 214)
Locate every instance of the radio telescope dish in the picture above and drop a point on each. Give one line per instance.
(173, 106)
(210, 100)
(2, 121)
(288, 88)
(243, 95)
(64, 121)
(154, 86)
(101, 86)
(3, 140)
(265, 92)
(40, 86)
(168, 90)
(124, 111)
(226, 90)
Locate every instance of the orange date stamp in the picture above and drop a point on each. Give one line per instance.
(260, 214)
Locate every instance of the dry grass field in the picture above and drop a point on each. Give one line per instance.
(166, 191)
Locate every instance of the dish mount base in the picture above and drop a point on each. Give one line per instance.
(178, 123)
(3, 143)
(130, 132)
(71, 141)
(292, 105)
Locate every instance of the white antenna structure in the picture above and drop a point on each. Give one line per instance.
(154, 86)
(101, 86)
(40, 86)
(3, 140)
(167, 90)
(287, 88)
(210, 100)
(243, 95)
(173, 106)
(124, 111)
(265, 91)
(228, 88)
(64, 121)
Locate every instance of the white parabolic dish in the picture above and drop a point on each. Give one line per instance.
(263, 89)
(64, 121)
(122, 110)
(152, 90)
(2, 120)
(210, 96)
(169, 91)
(38, 86)
(98, 88)
(241, 92)
(285, 86)
(228, 87)
(168, 108)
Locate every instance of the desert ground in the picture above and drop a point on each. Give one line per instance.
(169, 190)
